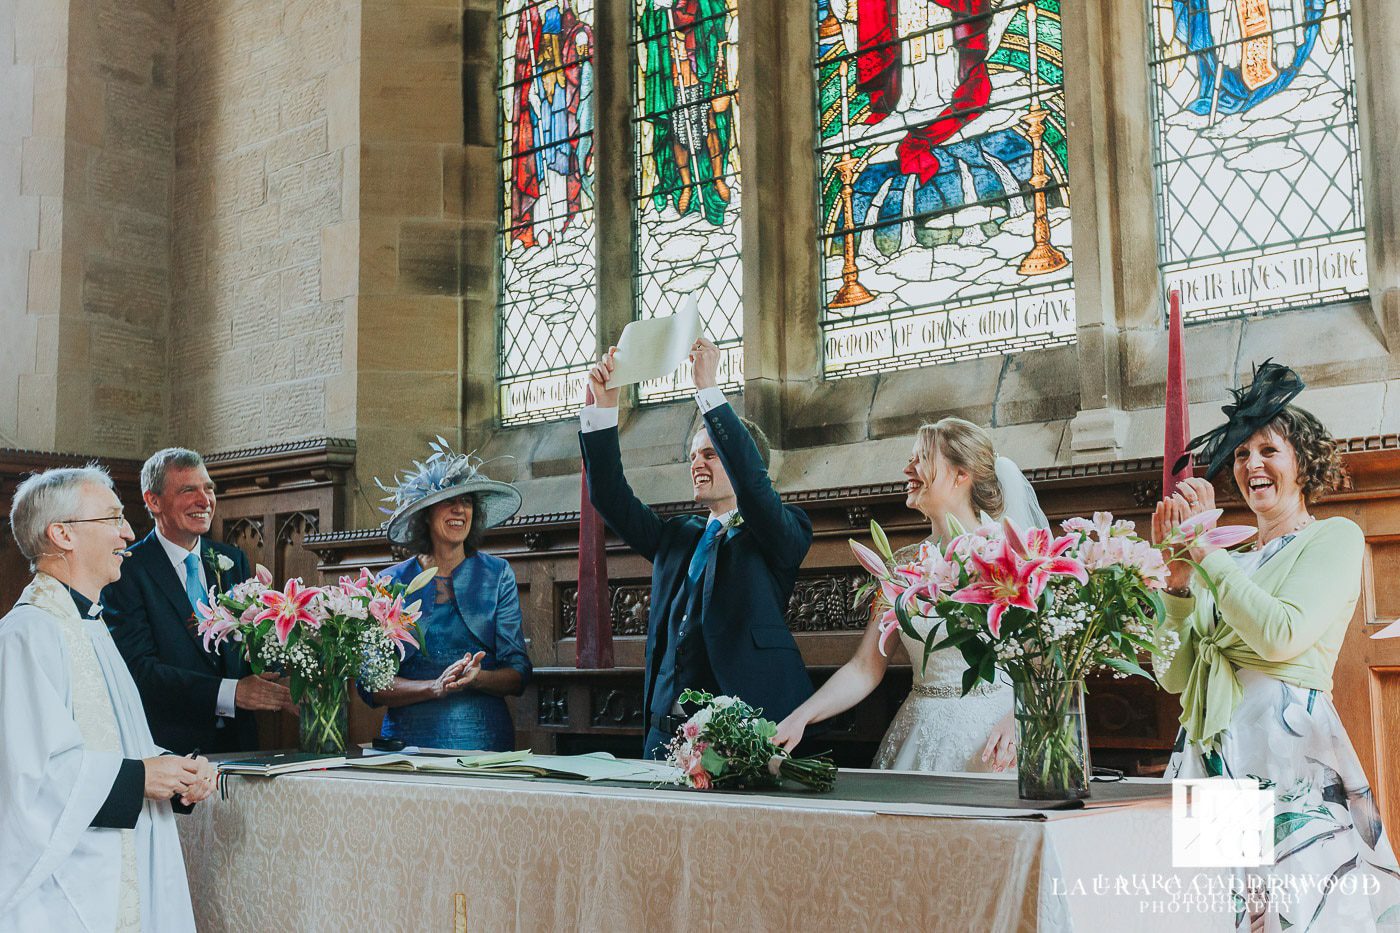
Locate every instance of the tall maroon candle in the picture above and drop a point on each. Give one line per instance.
(593, 646)
(1178, 418)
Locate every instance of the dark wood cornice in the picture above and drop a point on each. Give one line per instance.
(17, 460)
(310, 463)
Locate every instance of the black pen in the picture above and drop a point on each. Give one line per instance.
(193, 754)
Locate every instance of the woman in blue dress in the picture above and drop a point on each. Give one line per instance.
(449, 692)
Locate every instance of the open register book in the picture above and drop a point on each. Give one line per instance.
(281, 763)
(596, 766)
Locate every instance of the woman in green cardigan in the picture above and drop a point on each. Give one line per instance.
(1254, 668)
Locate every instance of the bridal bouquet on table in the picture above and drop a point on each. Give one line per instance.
(321, 637)
(727, 743)
(1046, 611)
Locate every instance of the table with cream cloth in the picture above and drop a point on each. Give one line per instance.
(342, 850)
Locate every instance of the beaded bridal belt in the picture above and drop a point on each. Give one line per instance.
(954, 691)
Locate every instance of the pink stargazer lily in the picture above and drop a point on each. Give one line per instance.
(1200, 530)
(263, 575)
(1046, 551)
(216, 624)
(870, 560)
(288, 609)
(395, 619)
(358, 586)
(1002, 582)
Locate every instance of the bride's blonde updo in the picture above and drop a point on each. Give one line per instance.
(967, 447)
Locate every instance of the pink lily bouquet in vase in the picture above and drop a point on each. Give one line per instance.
(1044, 611)
(320, 638)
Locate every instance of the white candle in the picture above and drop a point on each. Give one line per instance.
(845, 107)
(1033, 39)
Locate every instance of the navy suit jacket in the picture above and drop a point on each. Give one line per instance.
(153, 626)
(747, 583)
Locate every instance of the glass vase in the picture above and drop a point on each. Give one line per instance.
(324, 719)
(1052, 740)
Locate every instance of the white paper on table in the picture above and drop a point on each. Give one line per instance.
(1390, 631)
(656, 347)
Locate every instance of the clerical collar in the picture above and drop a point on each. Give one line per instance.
(86, 607)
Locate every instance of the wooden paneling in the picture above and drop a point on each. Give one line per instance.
(15, 465)
(1132, 725)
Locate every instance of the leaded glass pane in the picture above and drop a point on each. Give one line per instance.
(945, 211)
(688, 180)
(1259, 186)
(547, 309)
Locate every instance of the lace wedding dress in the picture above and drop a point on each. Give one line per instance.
(937, 728)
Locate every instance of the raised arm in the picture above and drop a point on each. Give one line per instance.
(608, 488)
(785, 533)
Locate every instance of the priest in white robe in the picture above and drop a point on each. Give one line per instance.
(87, 836)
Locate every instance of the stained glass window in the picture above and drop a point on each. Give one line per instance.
(1259, 189)
(688, 180)
(547, 310)
(944, 189)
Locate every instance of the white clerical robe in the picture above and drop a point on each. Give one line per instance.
(69, 714)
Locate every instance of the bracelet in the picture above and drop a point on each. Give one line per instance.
(1182, 593)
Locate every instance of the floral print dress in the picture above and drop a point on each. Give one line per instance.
(1334, 869)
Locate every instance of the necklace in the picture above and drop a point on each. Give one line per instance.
(1303, 522)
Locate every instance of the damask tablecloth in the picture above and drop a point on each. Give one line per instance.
(354, 851)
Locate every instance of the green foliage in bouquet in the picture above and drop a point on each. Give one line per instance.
(728, 743)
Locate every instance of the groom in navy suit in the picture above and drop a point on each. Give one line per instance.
(720, 583)
(194, 699)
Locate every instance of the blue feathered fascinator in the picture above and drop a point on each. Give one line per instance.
(444, 475)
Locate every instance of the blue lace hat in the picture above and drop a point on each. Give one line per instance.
(444, 475)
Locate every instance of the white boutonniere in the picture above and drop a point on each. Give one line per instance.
(221, 564)
(733, 524)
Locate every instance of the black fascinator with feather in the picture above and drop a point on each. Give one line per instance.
(1273, 387)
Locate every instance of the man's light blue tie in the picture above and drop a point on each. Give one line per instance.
(704, 549)
(193, 588)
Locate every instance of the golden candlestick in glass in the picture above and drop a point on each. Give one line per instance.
(1043, 257)
(851, 293)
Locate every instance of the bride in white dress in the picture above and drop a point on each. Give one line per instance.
(953, 471)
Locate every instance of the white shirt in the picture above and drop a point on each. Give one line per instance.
(592, 418)
(228, 688)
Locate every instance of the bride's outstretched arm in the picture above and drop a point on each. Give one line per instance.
(853, 682)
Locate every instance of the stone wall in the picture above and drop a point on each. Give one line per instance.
(116, 226)
(33, 73)
(263, 315)
(85, 175)
(414, 245)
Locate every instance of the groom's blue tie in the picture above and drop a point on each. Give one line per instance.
(193, 588)
(703, 550)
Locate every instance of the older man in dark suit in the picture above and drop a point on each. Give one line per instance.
(194, 699)
(720, 584)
